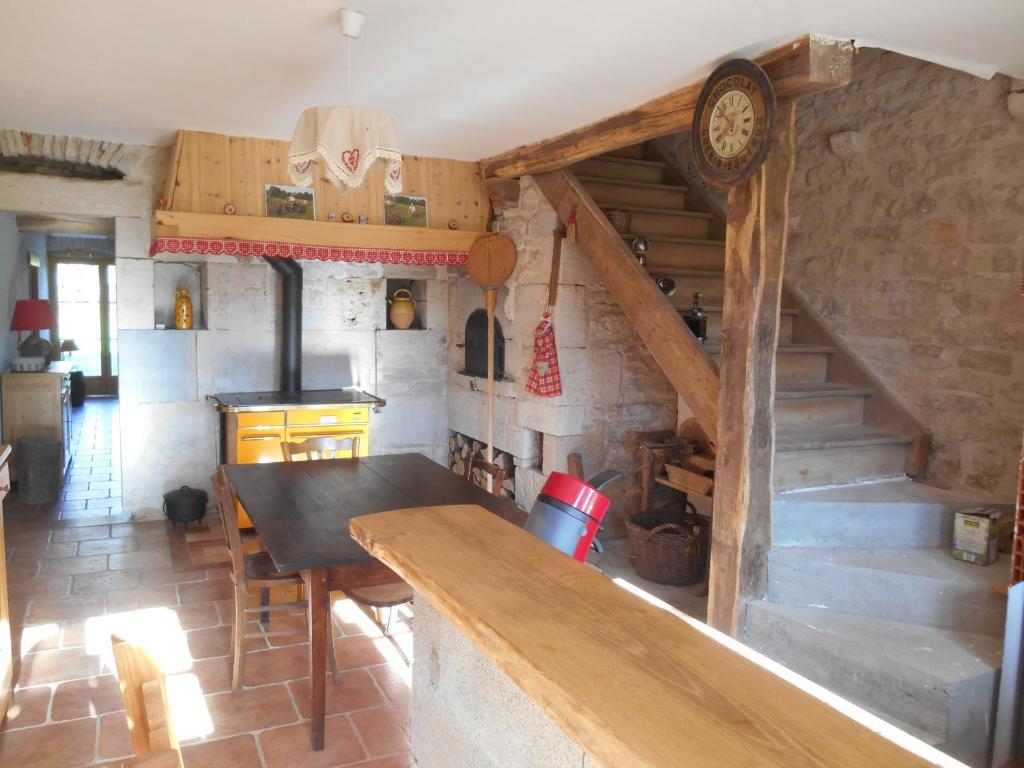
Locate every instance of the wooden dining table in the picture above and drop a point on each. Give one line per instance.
(301, 511)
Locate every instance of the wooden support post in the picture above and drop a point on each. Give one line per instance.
(755, 254)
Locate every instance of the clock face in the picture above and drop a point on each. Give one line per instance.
(732, 122)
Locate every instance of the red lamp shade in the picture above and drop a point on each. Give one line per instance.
(32, 315)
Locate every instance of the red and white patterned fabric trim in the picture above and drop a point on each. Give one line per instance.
(212, 246)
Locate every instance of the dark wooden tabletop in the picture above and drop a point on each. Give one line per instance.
(301, 510)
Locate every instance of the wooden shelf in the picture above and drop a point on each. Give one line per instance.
(662, 480)
(341, 235)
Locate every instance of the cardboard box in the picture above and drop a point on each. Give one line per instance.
(975, 535)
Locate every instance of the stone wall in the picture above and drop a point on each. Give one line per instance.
(612, 388)
(907, 235)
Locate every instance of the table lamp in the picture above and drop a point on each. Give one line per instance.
(69, 346)
(33, 315)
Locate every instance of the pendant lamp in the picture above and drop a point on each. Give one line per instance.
(345, 141)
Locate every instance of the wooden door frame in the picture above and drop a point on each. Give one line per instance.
(106, 383)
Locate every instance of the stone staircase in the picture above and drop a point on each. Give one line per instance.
(821, 435)
(863, 595)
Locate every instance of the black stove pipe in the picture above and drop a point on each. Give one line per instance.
(291, 322)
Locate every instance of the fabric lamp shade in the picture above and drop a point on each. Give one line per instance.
(32, 315)
(346, 142)
(68, 345)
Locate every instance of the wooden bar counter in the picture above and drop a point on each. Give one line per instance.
(505, 623)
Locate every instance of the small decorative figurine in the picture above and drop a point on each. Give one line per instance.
(332, 217)
(230, 209)
(347, 217)
(453, 223)
(182, 310)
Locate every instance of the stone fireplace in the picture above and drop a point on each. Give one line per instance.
(476, 346)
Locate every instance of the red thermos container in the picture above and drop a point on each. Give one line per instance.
(568, 512)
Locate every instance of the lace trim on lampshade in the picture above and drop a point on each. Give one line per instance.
(345, 173)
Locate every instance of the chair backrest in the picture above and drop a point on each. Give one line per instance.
(145, 701)
(315, 448)
(487, 468)
(229, 520)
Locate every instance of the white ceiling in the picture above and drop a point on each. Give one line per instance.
(462, 78)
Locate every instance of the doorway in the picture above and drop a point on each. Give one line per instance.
(84, 295)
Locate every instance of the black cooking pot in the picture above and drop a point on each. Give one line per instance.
(185, 505)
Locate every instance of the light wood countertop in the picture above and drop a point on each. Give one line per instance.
(633, 684)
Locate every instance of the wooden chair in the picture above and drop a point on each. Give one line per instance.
(253, 570)
(380, 597)
(145, 702)
(497, 473)
(321, 448)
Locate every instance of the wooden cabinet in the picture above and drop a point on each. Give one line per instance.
(37, 405)
(6, 657)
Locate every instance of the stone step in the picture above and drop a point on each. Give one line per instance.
(609, 193)
(623, 168)
(794, 363)
(683, 253)
(915, 586)
(837, 456)
(817, 406)
(635, 152)
(714, 315)
(898, 514)
(667, 222)
(937, 680)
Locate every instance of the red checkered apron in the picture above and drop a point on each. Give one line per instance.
(545, 380)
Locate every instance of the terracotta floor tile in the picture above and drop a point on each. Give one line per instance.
(48, 609)
(35, 637)
(393, 683)
(276, 665)
(108, 546)
(384, 730)
(143, 597)
(54, 746)
(72, 633)
(199, 591)
(114, 741)
(86, 698)
(214, 675)
(216, 641)
(57, 666)
(236, 752)
(53, 586)
(147, 558)
(250, 709)
(81, 533)
(395, 761)
(153, 577)
(355, 690)
(105, 580)
(289, 747)
(358, 652)
(28, 707)
(197, 615)
(70, 566)
(47, 551)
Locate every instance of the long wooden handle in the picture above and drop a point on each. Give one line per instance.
(491, 295)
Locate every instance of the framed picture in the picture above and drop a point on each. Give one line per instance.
(405, 210)
(286, 202)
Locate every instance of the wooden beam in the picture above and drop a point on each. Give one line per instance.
(223, 227)
(807, 65)
(66, 225)
(683, 359)
(755, 254)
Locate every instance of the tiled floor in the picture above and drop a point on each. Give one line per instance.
(93, 485)
(75, 578)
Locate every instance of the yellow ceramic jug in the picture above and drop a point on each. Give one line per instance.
(403, 309)
(182, 310)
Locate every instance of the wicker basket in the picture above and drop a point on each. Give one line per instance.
(669, 546)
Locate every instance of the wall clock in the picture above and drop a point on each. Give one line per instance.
(732, 123)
